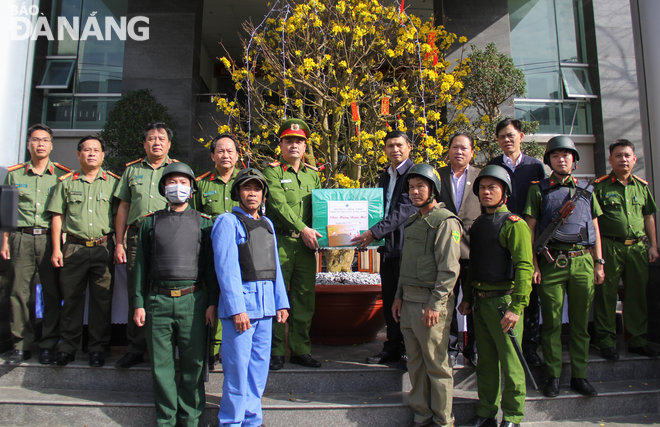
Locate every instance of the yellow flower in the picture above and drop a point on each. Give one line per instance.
(462, 39)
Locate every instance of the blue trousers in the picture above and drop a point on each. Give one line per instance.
(245, 362)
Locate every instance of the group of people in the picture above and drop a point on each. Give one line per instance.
(200, 254)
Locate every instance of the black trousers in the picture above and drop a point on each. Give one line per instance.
(471, 347)
(389, 275)
(531, 330)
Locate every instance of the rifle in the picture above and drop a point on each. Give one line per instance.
(519, 352)
(541, 242)
(208, 351)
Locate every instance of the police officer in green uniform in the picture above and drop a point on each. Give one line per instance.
(213, 198)
(289, 206)
(83, 208)
(572, 270)
(29, 248)
(500, 276)
(626, 223)
(138, 194)
(173, 265)
(424, 300)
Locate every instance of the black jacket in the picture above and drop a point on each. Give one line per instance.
(401, 208)
(530, 169)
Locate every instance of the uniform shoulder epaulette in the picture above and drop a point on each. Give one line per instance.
(274, 164)
(601, 179)
(641, 180)
(535, 182)
(133, 162)
(205, 215)
(15, 167)
(514, 218)
(202, 176)
(64, 168)
(175, 161)
(63, 177)
(149, 214)
(311, 167)
(113, 174)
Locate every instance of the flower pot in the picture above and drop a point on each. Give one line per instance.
(347, 314)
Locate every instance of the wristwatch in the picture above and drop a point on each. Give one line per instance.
(600, 261)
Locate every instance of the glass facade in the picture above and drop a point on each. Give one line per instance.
(84, 101)
(547, 43)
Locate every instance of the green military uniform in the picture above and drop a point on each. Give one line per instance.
(213, 198)
(429, 269)
(30, 252)
(496, 352)
(576, 280)
(87, 209)
(622, 231)
(176, 321)
(290, 209)
(139, 187)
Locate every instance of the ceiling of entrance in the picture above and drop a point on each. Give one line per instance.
(223, 19)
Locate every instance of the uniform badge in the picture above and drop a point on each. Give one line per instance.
(456, 235)
(295, 126)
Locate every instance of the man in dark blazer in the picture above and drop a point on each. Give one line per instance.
(398, 208)
(456, 184)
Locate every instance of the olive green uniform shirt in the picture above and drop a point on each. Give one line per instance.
(534, 207)
(624, 206)
(213, 195)
(289, 205)
(34, 192)
(139, 187)
(87, 207)
(515, 236)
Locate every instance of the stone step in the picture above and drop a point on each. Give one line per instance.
(57, 407)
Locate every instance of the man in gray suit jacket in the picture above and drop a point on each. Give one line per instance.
(457, 180)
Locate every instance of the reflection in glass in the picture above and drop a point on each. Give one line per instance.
(92, 113)
(570, 31)
(69, 10)
(578, 116)
(58, 74)
(58, 112)
(548, 115)
(576, 82)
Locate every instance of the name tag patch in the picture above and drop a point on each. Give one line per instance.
(285, 181)
(210, 193)
(76, 193)
(21, 185)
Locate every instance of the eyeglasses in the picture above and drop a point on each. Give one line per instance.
(38, 140)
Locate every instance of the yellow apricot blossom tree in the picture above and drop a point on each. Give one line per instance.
(353, 70)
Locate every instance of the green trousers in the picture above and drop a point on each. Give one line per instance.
(299, 273)
(134, 334)
(630, 263)
(577, 281)
(82, 266)
(496, 356)
(216, 338)
(431, 376)
(177, 322)
(29, 255)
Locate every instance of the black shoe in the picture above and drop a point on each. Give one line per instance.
(213, 360)
(644, 350)
(18, 356)
(482, 422)
(609, 353)
(128, 360)
(384, 356)
(305, 360)
(473, 359)
(551, 388)
(96, 359)
(403, 363)
(276, 363)
(532, 357)
(508, 424)
(46, 357)
(582, 386)
(63, 359)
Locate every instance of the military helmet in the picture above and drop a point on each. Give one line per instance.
(497, 172)
(425, 171)
(177, 167)
(246, 175)
(560, 142)
(295, 127)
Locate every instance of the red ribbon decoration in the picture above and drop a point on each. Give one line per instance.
(354, 110)
(385, 106)
(430, 40)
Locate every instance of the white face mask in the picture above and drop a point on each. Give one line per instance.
(177, 193)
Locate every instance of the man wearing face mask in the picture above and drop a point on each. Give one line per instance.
(173, 264)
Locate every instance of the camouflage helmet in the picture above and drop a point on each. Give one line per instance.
(560, 142)
(244, 176)
(177, 167)
(425, 171)
(497, 172)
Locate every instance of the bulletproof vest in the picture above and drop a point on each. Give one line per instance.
(492, 262)
(257, 254)
(175, 246)
(579, 227)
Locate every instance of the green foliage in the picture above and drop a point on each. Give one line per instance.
(123, 130)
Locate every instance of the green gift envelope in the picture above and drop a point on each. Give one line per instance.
(340, 214)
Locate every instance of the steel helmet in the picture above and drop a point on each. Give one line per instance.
(497, 172)
(426, 171)
(246, 175)
(177, 167)
(560, 142)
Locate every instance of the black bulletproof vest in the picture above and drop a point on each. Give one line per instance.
(489, 260)
(175, 246)
(579, 226)
(257, 254)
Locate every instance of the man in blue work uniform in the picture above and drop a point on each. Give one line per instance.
(252, 293)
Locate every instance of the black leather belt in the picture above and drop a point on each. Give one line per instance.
(176, 292)
(627, 242)
(569, 254)
(89, 243)
(493, 294)
(35, 231)
(288, 233)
